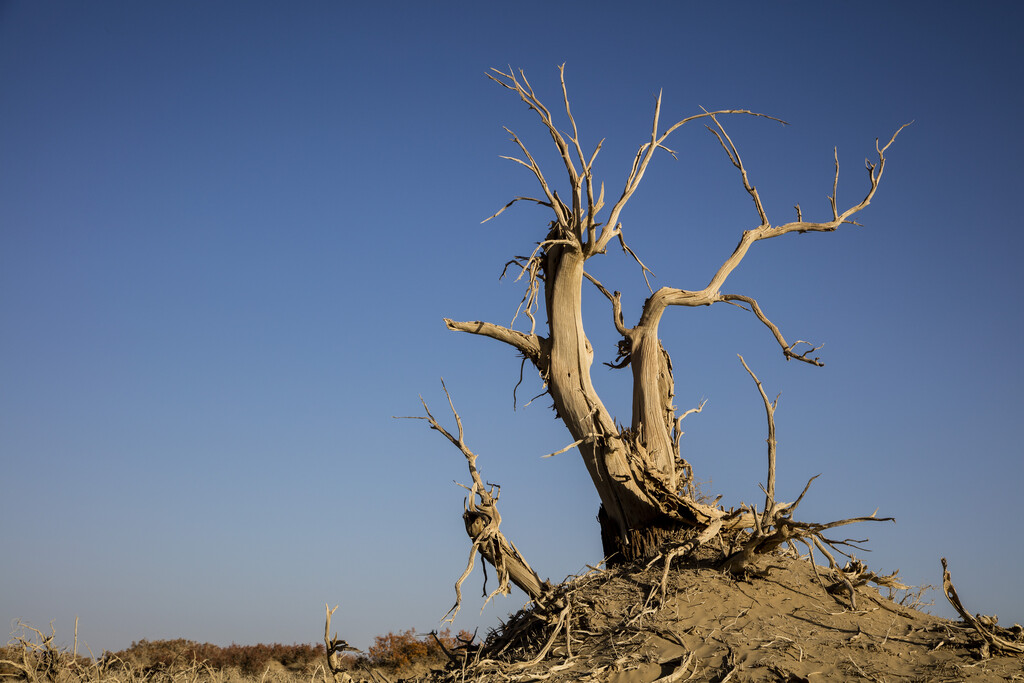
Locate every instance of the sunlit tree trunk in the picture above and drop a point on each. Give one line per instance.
(645, 487)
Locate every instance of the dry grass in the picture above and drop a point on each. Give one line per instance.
(629, 624)
(33, 655)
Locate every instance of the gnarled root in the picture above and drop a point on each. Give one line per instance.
(993, 636)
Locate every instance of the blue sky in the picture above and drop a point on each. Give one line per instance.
(229, 232)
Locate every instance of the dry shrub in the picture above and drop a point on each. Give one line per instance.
(402, 650)
(249, 660)
(32, 655)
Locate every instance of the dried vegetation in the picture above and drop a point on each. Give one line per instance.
(784, 621)
(34, 655)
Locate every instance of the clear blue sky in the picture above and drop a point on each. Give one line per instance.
(229, 232)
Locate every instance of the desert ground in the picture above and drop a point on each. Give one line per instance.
(779, 623)
(784, 620)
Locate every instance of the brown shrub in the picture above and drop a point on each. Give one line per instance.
(250, 660)
(401, 650)
(32, 656)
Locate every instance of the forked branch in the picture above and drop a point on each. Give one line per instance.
(664, 297)
(646, 153)
(788, 350)
(767, 231)
(581, 218)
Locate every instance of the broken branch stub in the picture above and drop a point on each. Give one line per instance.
(336, 647)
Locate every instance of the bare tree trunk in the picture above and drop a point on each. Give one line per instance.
(644, 485)
(616, 465)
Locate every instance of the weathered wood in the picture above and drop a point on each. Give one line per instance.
(643, 484)
(483, 522)
(500, 552)
(995, 638)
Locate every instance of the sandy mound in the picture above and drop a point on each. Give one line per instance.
(778, 624)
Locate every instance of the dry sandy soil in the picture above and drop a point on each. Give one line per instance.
(778, 624)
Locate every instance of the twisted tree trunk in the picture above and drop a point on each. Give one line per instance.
(616, 462)
(644, 485)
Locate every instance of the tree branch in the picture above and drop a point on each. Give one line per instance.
(336, 647)
(517, 199)
(527, 344)
(787, 348)
(766, 231)
(734, 157)
(577, 199)
(769, 407)
(482, 522)
(616, 300)
(643, 267)
(684, 471)
(553, 201)
(655, 305)
(590, 234)
(527, 95)
(644, 155)
(994, 636)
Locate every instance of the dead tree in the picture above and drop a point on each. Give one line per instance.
(645, 486)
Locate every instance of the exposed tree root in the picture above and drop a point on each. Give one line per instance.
(745, 534)
(994, 637)
(705, 626)
(649, 506)
(775, 526)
